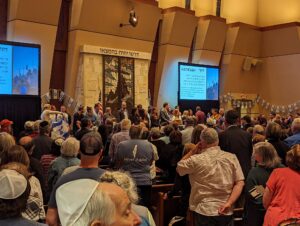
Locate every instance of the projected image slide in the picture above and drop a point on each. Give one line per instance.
(212, 84)
(25, 71)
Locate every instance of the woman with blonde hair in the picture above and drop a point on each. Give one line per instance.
(267, 160)
(177, 117)
(6, 142)
(282, 193)
(184, 116)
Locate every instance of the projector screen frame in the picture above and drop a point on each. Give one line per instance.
(197, 65)
(32, 45)
(206, 105)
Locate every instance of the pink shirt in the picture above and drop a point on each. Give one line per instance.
(285, 203)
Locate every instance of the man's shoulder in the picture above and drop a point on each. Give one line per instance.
(293, 137)
(254, 171)
(126, 142)
(228, 155)
(235, 130)
(34, 161)
(146, 143)
(158, 142)
(80, 173)
(129, 144)
(163, 111)
(201, 113)
(120, 134)
(19, 221)
(42, 137)
(135, 142)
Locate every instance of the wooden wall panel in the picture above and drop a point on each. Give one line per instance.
(58, 73)
(3, 19)
(153, 64)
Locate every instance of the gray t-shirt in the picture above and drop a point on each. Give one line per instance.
(136, 156)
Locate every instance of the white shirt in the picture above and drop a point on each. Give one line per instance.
(187, 135)
(212, 175)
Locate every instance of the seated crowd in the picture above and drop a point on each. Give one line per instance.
(99, 168)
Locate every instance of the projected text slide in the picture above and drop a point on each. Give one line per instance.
(192, 83)
(5, 69)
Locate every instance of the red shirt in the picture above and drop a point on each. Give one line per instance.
(200, 117)
(285, 203)
(46, 161)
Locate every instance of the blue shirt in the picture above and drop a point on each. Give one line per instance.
(292, 140)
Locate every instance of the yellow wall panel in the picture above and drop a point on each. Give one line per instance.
(203, 7)
(279, 79)
(272, 12)
(171, 3)
(39, 11)
(240, 11)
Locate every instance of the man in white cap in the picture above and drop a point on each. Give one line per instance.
(14, 192)
(90, 151)
(100, 204)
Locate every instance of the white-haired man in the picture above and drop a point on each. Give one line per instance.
(295, 138)
(100, 204)
(216, 179)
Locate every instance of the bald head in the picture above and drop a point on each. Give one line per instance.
(116, 193)
(25, 140)
(122, 204)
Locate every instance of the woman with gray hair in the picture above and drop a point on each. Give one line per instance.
(123, 180)
(69, 151)
(267, 160)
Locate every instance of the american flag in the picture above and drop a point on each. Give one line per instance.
(100, 108)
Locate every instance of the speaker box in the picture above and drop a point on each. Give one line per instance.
(247, 63)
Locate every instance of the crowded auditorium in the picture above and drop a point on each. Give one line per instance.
(149, 112)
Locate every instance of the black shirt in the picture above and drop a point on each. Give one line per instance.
(42, 146)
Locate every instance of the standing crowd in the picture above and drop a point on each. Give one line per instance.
(96, 168)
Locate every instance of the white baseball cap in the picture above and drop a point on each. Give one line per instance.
(72, 198)
(13, 184)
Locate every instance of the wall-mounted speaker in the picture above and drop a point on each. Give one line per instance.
(250, 62)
